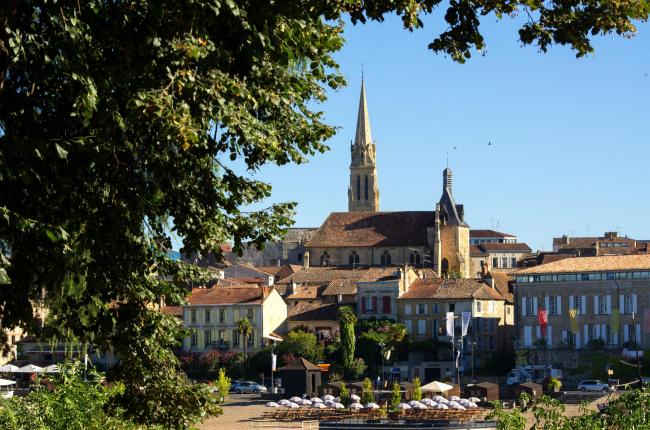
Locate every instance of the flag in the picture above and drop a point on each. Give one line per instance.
(543, 320)
(274, 362)
(467, 317)
(616, 320)
(574, 321)
(450, 324)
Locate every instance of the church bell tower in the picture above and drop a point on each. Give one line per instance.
(363, 192)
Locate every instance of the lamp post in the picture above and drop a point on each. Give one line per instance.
(382, 345)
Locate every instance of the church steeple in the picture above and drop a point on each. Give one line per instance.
(363, 192)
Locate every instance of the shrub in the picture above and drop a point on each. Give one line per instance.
(344, 395)
(367, 396)
(395, 397)
(417, 389)
(223, 385)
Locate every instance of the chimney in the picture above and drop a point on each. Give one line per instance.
(611, 235)
(293, 287)
(305, 260)
(484, 269)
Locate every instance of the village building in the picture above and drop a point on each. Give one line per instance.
(588, 302)
(213, 315)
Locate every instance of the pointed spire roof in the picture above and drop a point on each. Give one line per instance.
(363, 135)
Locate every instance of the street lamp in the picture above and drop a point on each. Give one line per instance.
(382, 345)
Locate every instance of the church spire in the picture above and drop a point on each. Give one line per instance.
(363, 192)
(363, 135)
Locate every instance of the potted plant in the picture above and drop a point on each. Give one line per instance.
(552, 385)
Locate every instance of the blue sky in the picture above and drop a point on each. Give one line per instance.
(569, 152)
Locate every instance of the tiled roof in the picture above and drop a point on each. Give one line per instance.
(592, 264)
(549, 258)
(426, 273)
(475, 251)
(319, 311)
(451, 289)
(375, 274)
(307, 292)
(321, 275)
(374, 229)
(343, 286)
(504, 247)
(300, 364)
(501, 280)
(488, 233)
(228, 295)
(172, 310)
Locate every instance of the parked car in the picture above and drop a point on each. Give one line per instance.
(248, 387)
(594, 385)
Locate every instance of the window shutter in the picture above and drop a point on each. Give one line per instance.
(409, 326)
(634, 309)
(626, 333)
(598, 334)
(407, 309)
(637, 332)
(434, 329)
(577, 338)
(374, 304)
(586, 334)
(583, 309)
(596, 303)
(558, 302)
(363, 306)
(425, 308)
(527, 336)
(615, 338)
(549, 335)
(609, 305)
(621, 303)
(523, 306)
(546, 302)
(572, 303)
(564, 336)
(603, 332)
(534, 306)
(538, 332)
(386, 304)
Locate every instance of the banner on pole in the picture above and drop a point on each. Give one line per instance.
(542, 316)
(450, 324)
(467, 317)
(274, 361)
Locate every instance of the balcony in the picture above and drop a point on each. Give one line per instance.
(221, 345)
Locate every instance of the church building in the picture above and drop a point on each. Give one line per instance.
(364, 236)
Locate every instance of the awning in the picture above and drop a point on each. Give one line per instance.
(436, 387)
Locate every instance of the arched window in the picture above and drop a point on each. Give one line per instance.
(385, 259)
(354, 259)
(358, 187)
(444, 266)
(415, 259)
(366, 186)
(325, 259)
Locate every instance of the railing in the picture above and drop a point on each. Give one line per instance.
(282, 425)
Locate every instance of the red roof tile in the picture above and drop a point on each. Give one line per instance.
(374, 229)
(228, 295)
(488, 233)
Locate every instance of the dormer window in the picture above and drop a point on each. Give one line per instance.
(325, 259)
(354, 259)
(385, 259)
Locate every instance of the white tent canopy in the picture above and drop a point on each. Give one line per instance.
(30, 368)
(52, 368)
(6, 382)
(8, 368)
(436, 387)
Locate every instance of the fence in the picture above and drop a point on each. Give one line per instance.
(284, 425)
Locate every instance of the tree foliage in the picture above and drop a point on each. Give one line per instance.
(223, 385)
(301, 344)
(417, 389)
(344, 395)
(245, 330)
(367, 396)
(395, 397)
(347, 320)
(123, 124)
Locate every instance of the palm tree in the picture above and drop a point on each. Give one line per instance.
(245, 329)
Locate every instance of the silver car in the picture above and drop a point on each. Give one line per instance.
(248, 387)
(595, 385)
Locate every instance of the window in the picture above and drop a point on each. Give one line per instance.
(444, 269)
(193, 316)
(421, 309)
(513, 262)
(628, 304)
(552, 305)
(478, 306)
(435, 308)
(578, 305)
(495, 262)
(221, 336)
(570, 338)
(385, 259)
(602, 305)
(299, 257)
(415, 259)
(208, 315)
(222, 315)
(354, 258)
(530, 306)
(193, 339)
(235, 338)
(250, 339)
(366, 186)
(386, 304)
(250, 314)
(207, 336)
(325, 259)
(452, 307)
(422, 327)
(407, 309)
(504, 261)
(358, 187)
